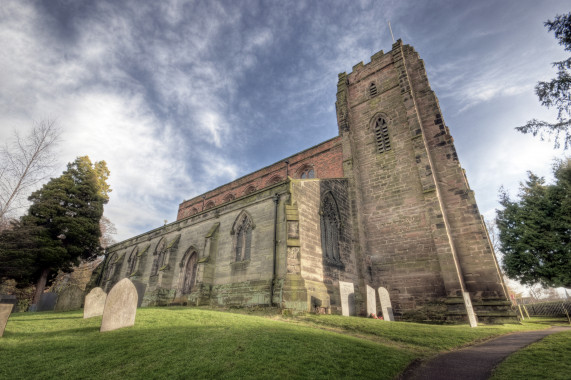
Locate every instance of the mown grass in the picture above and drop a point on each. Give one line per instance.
(424, 339)
(184, 343)
(198, 343)
(550, 358)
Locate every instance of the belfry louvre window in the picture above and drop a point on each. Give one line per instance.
(382, 135)
(372, 90)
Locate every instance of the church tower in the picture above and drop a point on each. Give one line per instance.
(417, 230)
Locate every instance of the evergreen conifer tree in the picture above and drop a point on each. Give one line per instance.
(62, 224)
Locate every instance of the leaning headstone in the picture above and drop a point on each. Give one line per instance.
(347, 291)
(47, 302)
(94, 303)
(371, 301)
(470, 310)
(5, 310)
(386, 304)
(11, 299)
(120, 306)
(70, 298)
(141, 288)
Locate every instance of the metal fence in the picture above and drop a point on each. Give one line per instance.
(548, 309)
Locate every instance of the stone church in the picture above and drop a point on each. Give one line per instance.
(384, 204)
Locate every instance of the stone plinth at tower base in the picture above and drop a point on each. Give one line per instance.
(120, 306)
(488, 310)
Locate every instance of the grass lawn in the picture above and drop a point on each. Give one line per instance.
(549, 358)
(188, 342)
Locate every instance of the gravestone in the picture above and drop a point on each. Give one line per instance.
(5, 310)
(347, 291)
(120, 306)
(371, 301)
(94, 303)
(11, 299)
(386, 304)
(47, 302)
(470, 310)
(141, 288)
(70, 298)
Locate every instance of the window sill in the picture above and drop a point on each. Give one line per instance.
(240, 265)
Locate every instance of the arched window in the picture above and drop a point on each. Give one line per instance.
(209, 204)
(330, 226)
(193, 211)
(132, 262)
(275, 179)
(242, 231)
(160, 252)
(229, 197)
(189, 271)
(372, 89)
(382, 135)
(111, 267)
(249, 190)
(306, 172)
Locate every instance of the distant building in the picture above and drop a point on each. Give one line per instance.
(384, 204)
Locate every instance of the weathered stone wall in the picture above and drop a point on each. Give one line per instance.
(420, 232)
(220, 279)
(320, 276)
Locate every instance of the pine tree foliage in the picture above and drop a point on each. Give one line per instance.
(535, 231)
(557, 92)
(62, 224)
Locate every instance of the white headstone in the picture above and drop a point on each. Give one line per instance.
(386, 304)
(470, 310)
(120, 306)
(5, 310)
(94, 303)
(371, 301)
(347, 291)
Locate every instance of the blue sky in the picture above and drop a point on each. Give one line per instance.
(182, 96)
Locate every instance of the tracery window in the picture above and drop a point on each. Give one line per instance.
(193, 211)
(275, 179)
(372, 90)
(229, 197)
(190, 271)
(209, 204)
(382, 135)
(132, 261)
(159, 257)
(249, 190)
(111, 267)
(330, 226)
(306, 172)
(243, 237)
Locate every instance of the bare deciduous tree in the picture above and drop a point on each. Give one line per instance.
(24, 163)
(107, 228)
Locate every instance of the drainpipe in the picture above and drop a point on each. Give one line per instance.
(276, 202)
(287, 168)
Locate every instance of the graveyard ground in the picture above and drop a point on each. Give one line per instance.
(199, 343)
(548, 358)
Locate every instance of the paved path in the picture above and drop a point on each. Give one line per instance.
(475, 362)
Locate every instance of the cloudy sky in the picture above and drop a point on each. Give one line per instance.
(179, 97)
